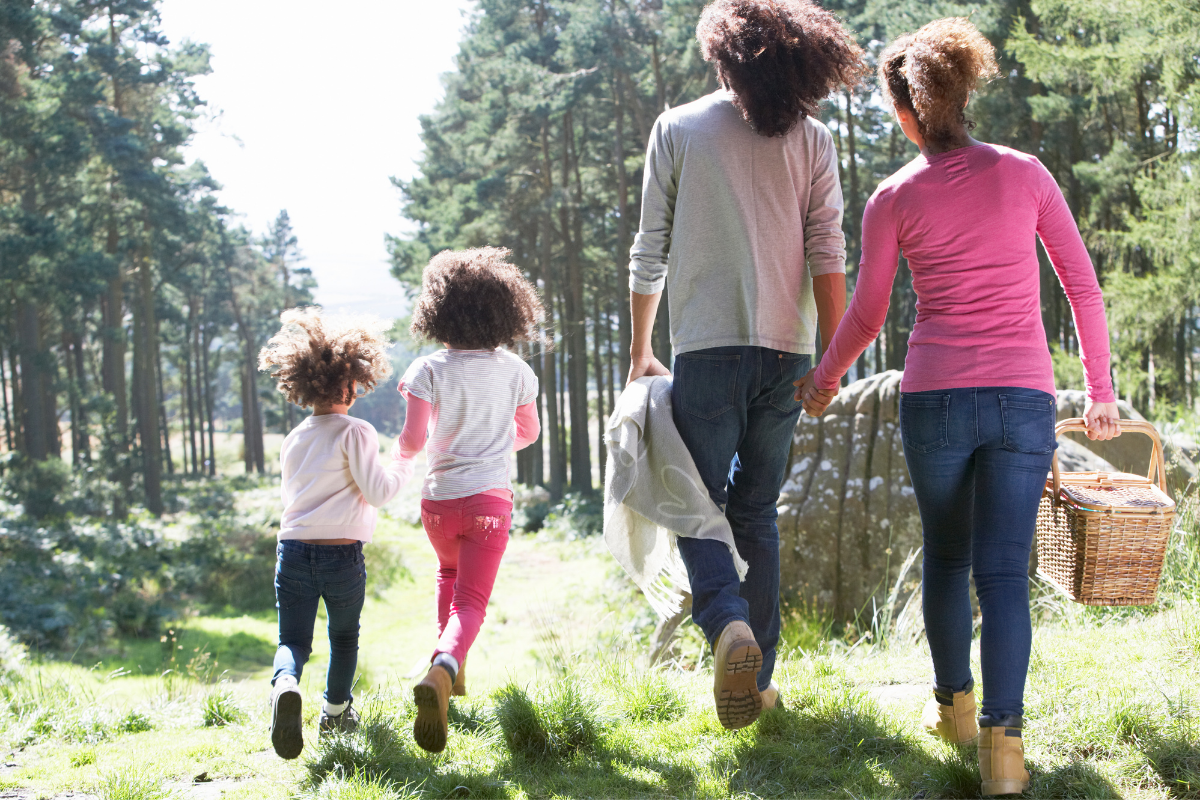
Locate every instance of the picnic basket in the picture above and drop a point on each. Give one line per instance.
(1102, 536)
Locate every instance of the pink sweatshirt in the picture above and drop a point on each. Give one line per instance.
(966, 221)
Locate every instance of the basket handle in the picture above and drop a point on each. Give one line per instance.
(1127, 425)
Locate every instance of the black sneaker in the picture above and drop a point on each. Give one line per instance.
(286, 725)
(345, 722)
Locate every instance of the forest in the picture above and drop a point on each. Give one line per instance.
(539, 142)
(135, 302)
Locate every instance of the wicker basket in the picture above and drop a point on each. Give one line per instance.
(1102, 536)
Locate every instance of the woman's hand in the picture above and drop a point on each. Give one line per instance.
(814, 400)
(1103, 420)
(642, 366)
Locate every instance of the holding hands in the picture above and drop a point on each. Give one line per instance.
(814, 399)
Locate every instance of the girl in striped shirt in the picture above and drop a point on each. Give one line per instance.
(480, 400)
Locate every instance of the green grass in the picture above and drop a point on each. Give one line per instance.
(562, 703)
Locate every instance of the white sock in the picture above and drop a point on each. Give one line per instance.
(334, 709)
(447, 660)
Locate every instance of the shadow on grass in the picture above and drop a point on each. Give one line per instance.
(1177, 762)
(237, 652)
(1075, 780)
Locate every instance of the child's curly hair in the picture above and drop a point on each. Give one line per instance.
(780, 58)
(476, 300)
(314, 358)
(932, 73)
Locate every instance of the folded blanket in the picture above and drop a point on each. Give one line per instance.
(653, 493)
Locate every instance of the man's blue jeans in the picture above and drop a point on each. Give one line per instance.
(304, 574)
(734, 409)
(978, 460)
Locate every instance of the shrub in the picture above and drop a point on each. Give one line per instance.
(576, 517)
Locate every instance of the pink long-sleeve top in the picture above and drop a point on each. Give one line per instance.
(966, 221)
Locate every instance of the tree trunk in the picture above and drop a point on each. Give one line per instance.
(4, 389)
(558, 467)
(208, 402)
(36, 422)
(162, 403)
(574, 332)
(623, 228)
(597, 322)
(146, 386)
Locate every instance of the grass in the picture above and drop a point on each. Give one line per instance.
(563, 705)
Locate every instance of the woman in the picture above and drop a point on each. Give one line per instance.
(741, 219)
(977, 407)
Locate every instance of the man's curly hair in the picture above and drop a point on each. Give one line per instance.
(476, 300)
(314, 358)
(779, 57)
(932, 73)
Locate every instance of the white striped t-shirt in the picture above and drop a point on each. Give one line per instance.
(474, 394)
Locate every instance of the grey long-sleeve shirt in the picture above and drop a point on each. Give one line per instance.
(736, 225)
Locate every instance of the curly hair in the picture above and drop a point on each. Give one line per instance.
(314, 358)
(932, 73)
(476, 300)
(780, 58)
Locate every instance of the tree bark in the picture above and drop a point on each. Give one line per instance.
(623, 227)
(574, 332)
(146, 383)
(558, 467)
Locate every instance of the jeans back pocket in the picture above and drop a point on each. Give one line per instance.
(707, 383)
(1028, 422)
(924, 418)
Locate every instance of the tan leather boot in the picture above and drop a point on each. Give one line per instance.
(1002, 757)
(432, 696)
(460, 681)
(770, 697)
(736, 662)
(951, 715)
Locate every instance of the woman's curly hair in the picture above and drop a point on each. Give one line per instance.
(314, 358)
(932, 73)
(476, 300)
(780, 58)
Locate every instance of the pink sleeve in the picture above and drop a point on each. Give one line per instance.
(872, 294)
(1060, 236)
(528, 427)
(416, 426)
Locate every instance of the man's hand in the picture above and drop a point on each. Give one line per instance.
(641, 366)
(1103, 420)
(813, 399)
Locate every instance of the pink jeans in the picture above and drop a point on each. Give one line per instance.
(469, 535)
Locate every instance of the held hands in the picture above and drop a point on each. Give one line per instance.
(643, 366)
(1103, 420)
(814, 400)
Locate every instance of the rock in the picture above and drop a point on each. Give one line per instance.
(1131, 452)
(847, 514)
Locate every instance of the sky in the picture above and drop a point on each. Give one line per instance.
(313, 108)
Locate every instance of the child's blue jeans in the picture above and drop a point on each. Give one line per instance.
(978, 459)
(305, 574)
(734, 409)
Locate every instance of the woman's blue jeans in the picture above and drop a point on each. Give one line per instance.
(978, 459)
(734, 409)
(305, 574)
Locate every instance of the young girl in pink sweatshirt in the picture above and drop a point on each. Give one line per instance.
(471, 405)
(333, 481)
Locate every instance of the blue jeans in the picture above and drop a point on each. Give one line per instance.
(978, 460)
(733, 408)
(304, 574)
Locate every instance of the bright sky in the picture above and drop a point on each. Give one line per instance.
(317, 108)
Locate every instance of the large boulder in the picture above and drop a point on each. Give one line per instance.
(1131, 452)
(847, 515)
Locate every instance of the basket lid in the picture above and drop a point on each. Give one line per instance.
(1115, 491)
